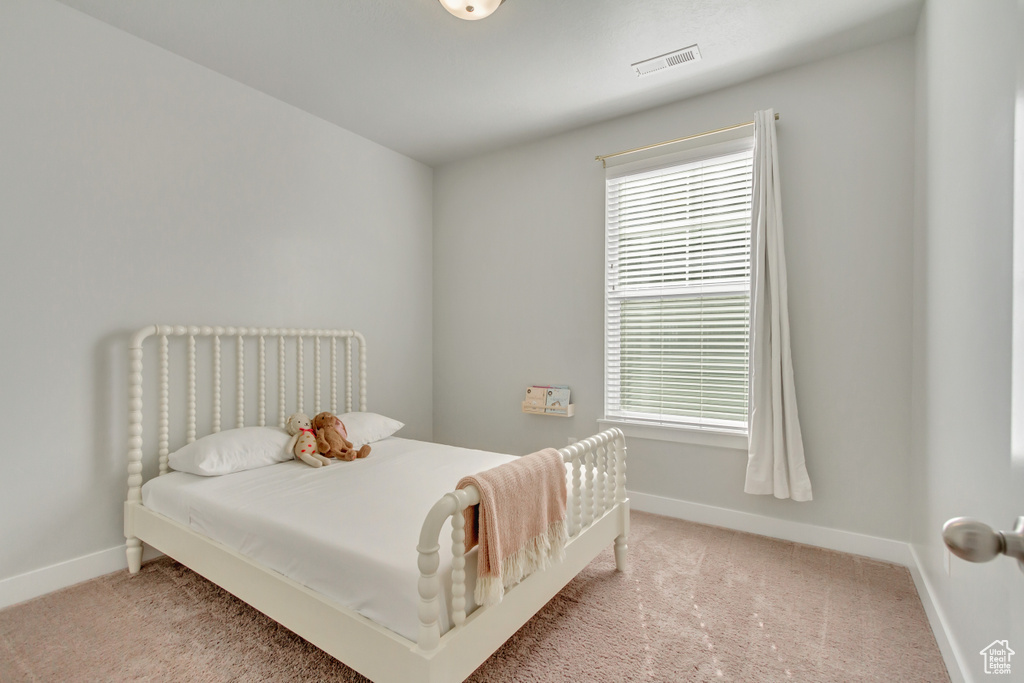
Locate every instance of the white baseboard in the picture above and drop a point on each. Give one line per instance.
(937, 618)
(897, 552)
(63, 574)
(823, 537)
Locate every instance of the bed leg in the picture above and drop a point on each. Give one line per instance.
(134, 555)
(621, 547)
(620, 553)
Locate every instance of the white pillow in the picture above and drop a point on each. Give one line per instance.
(232, 450)
(364, 428)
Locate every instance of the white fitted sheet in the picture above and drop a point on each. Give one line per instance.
(348, 530)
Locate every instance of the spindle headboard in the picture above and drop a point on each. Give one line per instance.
(297, 339)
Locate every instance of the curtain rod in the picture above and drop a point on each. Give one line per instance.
(669, 142)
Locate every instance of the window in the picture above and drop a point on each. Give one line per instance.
(677, 321)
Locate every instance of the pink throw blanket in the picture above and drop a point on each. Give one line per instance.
(519, 523)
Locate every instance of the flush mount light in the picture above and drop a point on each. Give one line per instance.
(471, 9)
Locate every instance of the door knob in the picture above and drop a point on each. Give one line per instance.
(976, 541)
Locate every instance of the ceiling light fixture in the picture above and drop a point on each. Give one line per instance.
(471, 9)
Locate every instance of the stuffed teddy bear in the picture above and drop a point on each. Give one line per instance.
(331, 441)
(303, 442)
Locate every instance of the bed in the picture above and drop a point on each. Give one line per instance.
(424, 626)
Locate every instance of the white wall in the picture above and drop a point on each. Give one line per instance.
(137, 187)
(518, 288)
(962, 341)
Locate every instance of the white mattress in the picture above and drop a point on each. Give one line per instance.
(348, 530)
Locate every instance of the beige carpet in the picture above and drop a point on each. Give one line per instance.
(698, 604)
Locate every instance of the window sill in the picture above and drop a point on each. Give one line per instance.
(699, 437)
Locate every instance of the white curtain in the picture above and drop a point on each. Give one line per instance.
(775, 462)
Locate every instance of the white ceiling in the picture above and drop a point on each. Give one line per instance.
(410, 76)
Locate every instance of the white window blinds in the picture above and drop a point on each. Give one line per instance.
(678, 294)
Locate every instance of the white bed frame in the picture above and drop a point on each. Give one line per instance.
(598, 516)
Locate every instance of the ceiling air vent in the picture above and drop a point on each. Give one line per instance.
(665, 61)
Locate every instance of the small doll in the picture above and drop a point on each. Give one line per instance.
(303, 443)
